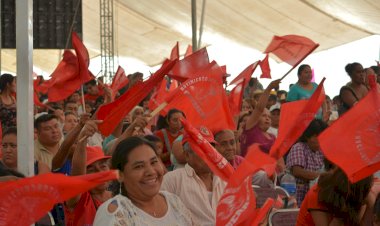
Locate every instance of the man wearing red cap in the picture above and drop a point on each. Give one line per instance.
(195, 184)
(81, 209)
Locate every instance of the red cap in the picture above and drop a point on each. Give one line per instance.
(95, 153)
(204, 131)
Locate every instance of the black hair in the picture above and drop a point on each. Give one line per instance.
(162, 122)
(92, 83)
(301, 68)
(120, 155)
(351, 67)
(10, 130)
(315, 128)
(70, 113)
(69, 102)
(43, 118)
(342, 198)
(5, 79)
(241, 118)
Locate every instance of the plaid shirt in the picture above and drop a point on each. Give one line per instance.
(301, 155)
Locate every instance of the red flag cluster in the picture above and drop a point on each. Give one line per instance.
(70, 73)
(25, 201)
(237, 206)
(114, 112)
(291, 127)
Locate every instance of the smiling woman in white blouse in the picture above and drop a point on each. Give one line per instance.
(140, 202)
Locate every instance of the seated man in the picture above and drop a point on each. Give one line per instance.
(226, 146)
(196, 185)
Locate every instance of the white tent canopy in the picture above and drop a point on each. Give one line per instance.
(147, 30)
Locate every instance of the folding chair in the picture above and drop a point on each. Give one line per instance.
(262, 194)
(283, 217)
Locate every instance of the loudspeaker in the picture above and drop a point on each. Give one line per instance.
(52, 22)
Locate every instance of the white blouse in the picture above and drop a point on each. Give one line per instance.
(129, 214)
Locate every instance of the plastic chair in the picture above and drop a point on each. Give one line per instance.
(281, 191)
(283, 217)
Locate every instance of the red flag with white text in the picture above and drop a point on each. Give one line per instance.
(237, 206)
(215, 161)
(353, 141)
(25, 201)
(203, 100)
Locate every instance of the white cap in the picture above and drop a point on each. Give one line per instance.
(276, 106)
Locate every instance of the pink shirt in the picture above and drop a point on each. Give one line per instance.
(255, 136)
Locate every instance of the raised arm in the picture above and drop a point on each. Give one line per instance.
(64, 150)
(262, 103)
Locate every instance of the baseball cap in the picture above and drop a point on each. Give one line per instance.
(276, 106)
(95, 153)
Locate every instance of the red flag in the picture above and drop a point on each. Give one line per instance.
(235, 98)
(204, 101)
(291, 48)
(295, 117)
(162, 92)
(353, 141)
(25, 201)
(175, 52)
(70, 73)
(189, 66)
(119, 81)
(237, 206)
(83, 58)
(245, 74)
(265, 69)
(189, 50)
(217, 163)
(114, 112)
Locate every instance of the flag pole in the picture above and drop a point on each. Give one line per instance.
(83, 103)
(299, 61)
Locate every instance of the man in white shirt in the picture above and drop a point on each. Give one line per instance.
(196, 185)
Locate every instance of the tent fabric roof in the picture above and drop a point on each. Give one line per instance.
(147, 30)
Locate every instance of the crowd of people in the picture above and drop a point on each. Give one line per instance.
(162, 181)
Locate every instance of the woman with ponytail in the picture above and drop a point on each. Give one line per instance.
(355, 90)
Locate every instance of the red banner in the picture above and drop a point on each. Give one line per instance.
(295, 117)
(25, 201)
(353, 141)
(291, 48)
